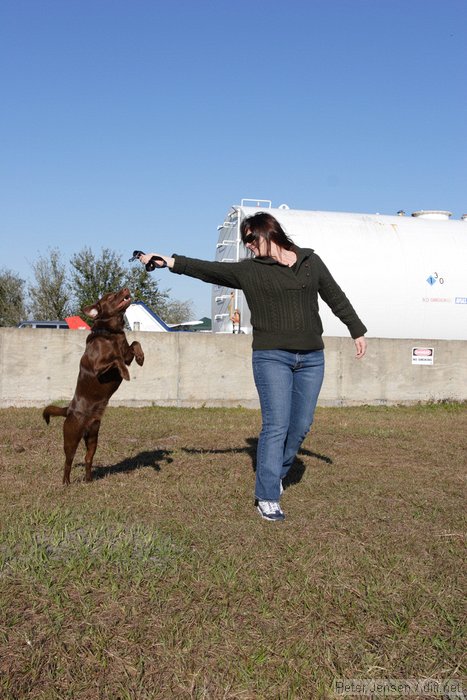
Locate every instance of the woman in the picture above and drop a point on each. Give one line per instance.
(281, 284)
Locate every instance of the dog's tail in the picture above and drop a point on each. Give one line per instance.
(54, 411)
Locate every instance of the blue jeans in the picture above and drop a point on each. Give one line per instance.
(288, 385)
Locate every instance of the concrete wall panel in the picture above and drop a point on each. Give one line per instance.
(40, 366)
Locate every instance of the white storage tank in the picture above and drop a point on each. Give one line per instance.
(406, 276)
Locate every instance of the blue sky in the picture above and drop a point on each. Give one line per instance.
(138, 123)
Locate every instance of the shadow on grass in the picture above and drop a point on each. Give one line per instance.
(143, 460)
(296, 471)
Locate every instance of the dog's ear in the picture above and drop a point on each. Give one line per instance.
(92, 311)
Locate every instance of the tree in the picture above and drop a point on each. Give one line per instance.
(179, 311)
(12, 298)
(144, 286)
(93, 277)
(50, 296)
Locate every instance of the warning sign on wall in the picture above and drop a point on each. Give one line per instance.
(423, 356)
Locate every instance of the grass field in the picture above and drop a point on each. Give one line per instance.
(160, 580)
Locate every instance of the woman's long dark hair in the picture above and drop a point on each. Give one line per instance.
(266, 226)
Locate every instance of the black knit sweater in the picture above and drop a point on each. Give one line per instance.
(283, 300)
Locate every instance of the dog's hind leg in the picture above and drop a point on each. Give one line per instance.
(90, 438)
(72, 434)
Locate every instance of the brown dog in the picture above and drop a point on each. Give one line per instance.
(102, 368)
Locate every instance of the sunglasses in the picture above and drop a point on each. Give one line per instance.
(249, 238)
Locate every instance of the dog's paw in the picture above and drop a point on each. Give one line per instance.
(138, 353)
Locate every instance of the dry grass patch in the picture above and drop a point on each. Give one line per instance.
(159, 579)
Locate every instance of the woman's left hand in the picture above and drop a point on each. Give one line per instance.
(360, 344)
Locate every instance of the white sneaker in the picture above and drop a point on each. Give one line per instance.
(270, 510)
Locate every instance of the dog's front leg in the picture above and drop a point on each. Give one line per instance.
(116, 363)
(137, 352)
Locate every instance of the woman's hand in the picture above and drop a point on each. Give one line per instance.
(147, 257)
(360, 344)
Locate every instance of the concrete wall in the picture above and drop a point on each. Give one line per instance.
(39, 366)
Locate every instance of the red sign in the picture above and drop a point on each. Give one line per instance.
(76, 323)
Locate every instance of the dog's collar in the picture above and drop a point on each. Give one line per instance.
(104, 331)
